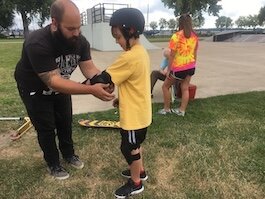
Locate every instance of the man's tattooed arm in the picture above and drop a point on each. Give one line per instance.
(46, 77)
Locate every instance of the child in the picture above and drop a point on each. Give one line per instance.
(182, 62)
(130, 73)
(161, 73)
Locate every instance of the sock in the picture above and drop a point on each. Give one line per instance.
(137, 183)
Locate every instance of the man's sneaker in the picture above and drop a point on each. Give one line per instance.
(163, 112)
(178, 112)
(58, 172)
(127, 174)
(128, 189)
(75, 162)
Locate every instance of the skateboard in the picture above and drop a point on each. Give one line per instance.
(100, 123)
(21, 130)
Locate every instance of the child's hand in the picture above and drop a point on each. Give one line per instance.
(115, 103)
(110, 88)
(163, 72)
(168, 74)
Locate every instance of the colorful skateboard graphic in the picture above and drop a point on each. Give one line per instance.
(100, 123)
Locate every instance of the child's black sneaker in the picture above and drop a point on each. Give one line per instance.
(75, 162)
(127, 174)
(58, 172)
(128, 189)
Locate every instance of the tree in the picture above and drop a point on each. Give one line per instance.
(193, 7)
(261, 16)
(223, 22)
(252, 21)
(44, 12)
(153, 25)
(241, 22)
(172, 24)
(30, 9)
(198, 21)
(6, 14)
(249, 21)
(163, 23)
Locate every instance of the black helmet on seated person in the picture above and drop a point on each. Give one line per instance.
(128, 18)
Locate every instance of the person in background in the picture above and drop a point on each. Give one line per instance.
(161, 73)
(131, 74)
(182, 63)
(49, 56)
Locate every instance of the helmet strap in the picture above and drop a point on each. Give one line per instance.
(129, 33)
(127, 36)
(128, 47)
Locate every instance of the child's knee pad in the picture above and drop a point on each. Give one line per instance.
(127, 153)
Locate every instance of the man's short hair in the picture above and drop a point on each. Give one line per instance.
(57, 11)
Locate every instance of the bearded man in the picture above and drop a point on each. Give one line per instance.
(49, 56)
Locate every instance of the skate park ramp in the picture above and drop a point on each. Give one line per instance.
(250, 38)
(238, 36)
(96, 29)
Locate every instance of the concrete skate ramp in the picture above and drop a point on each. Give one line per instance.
(95, 27)
(260, 38)
(100, 38)
(225, 35)
(238, 36)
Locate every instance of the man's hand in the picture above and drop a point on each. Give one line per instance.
(99, 91)
(103, 78)
(109, 89)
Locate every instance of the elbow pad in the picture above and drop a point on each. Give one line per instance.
(104, 78)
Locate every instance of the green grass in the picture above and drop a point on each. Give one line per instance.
(10, 106)
(215, 151)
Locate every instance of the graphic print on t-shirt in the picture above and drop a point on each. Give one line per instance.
(67, 64)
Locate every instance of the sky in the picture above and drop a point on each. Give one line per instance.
(231, 8)
(157, 10)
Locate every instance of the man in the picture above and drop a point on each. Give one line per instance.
(49, 56)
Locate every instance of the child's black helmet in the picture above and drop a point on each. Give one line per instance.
(128, 18)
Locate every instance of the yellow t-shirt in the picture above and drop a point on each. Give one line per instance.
(131, 74)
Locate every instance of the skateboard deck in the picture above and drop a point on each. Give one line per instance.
(100, 123)
(21, 130)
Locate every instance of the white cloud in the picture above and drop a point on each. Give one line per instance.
(238, 8)
(234, 9)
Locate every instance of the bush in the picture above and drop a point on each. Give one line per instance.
(2, 36)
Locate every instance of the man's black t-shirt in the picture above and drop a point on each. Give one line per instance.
(43, 52)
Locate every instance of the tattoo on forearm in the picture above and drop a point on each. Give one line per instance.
(47, 76)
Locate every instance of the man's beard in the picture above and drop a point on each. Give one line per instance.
(71, 42)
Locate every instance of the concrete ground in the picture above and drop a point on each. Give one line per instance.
(222, 68)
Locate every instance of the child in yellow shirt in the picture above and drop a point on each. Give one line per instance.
(130, 73)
